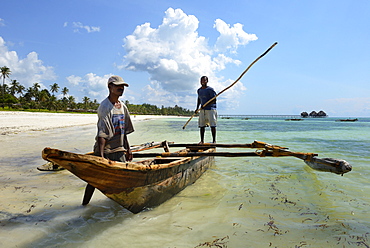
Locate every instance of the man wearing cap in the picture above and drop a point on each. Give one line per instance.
(114, 124)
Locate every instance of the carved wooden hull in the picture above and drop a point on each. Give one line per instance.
(134, 185)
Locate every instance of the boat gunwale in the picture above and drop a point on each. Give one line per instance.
(142, 165)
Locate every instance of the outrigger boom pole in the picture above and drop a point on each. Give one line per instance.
(337, 166)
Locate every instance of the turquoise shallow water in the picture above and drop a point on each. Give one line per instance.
(239, 202)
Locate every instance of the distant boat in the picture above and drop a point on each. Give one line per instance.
(293, 119)
(352, 120)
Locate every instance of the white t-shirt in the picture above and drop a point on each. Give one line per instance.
(113, 125)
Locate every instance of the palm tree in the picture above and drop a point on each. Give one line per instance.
(44, 97)
(86, 102)
(36, 87)
(71, 102)
(14, 87)
(54, 88)
(95, 104)
(52, 103)
(5, 72)
(36, 92)
(29, 94)
(65, 91)
(20, 89)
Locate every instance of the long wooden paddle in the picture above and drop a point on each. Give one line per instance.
(231, 85)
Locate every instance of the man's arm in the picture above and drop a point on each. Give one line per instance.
(101, 145)
(198, 103)
(129, 155)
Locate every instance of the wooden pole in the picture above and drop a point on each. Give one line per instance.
(231, 85)
(337, 166)
(200, 154)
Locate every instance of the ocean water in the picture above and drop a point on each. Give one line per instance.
(238, 202)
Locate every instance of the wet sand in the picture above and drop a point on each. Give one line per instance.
(13, 122)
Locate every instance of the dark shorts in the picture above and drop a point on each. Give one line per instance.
(115, 156)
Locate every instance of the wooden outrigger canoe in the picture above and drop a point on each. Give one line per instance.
(135, 185)
(148, 183)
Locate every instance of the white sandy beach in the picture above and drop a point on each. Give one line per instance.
(12, 122)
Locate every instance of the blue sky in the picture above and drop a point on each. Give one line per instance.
(161, 48)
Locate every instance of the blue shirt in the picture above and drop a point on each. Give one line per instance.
(205, 95)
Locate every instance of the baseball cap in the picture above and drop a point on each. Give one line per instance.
(117, 80)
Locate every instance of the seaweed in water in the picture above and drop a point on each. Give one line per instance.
(219, 242)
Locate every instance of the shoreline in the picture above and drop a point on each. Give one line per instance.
(14, 122)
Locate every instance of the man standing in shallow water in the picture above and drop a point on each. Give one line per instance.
(114, 124)
(207, 115)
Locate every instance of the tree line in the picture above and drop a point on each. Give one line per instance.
(18, 97)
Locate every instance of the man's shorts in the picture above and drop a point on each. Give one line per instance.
(115, 156)
(207, 118)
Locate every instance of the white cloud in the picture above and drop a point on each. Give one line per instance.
(155, 95)
(74, 80)
(231, 37)
(2, 22)
(28, 70)
(90, 85)
(95, 87)
(78, 26)
(176, 56)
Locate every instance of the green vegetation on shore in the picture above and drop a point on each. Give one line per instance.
(18, 97)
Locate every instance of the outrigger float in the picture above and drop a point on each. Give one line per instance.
(148, 183)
